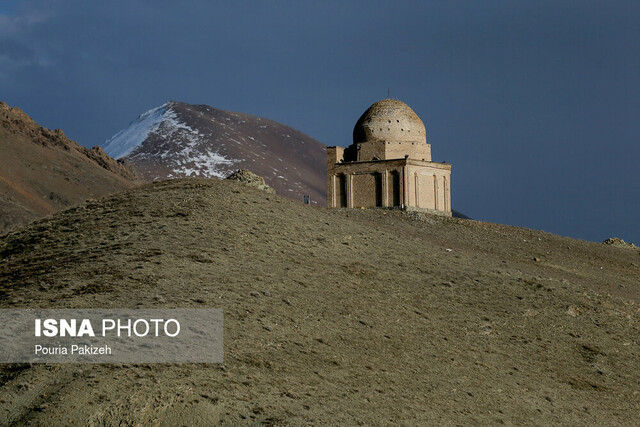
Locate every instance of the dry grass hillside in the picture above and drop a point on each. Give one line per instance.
(42, 171)
(339, 317)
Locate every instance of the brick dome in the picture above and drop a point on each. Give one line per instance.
(389, 120)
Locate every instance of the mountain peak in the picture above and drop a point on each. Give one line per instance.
(125, 141)
(183, 140)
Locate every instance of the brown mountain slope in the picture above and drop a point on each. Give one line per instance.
(42, 171)
(181, 140)
(338, 317)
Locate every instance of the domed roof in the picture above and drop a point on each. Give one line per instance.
(389, 120)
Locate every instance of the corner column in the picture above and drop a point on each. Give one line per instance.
(385, 189)
(331, 196)
(349, 189)
(405, 186)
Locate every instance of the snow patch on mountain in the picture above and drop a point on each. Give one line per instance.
(125, 141)
(190, 152)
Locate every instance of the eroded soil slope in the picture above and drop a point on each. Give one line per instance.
(42, 171)
(331, 316)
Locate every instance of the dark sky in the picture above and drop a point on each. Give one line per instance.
(535, 103)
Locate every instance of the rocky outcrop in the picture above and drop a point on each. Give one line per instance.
(119, 167)
(615, 241)
(250, 179)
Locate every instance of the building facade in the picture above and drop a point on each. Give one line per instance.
(388, 165)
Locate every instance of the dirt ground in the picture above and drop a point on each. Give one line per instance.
(332, 317)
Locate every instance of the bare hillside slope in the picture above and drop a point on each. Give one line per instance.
(42, 171)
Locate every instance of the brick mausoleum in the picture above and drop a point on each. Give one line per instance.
(388, 165)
